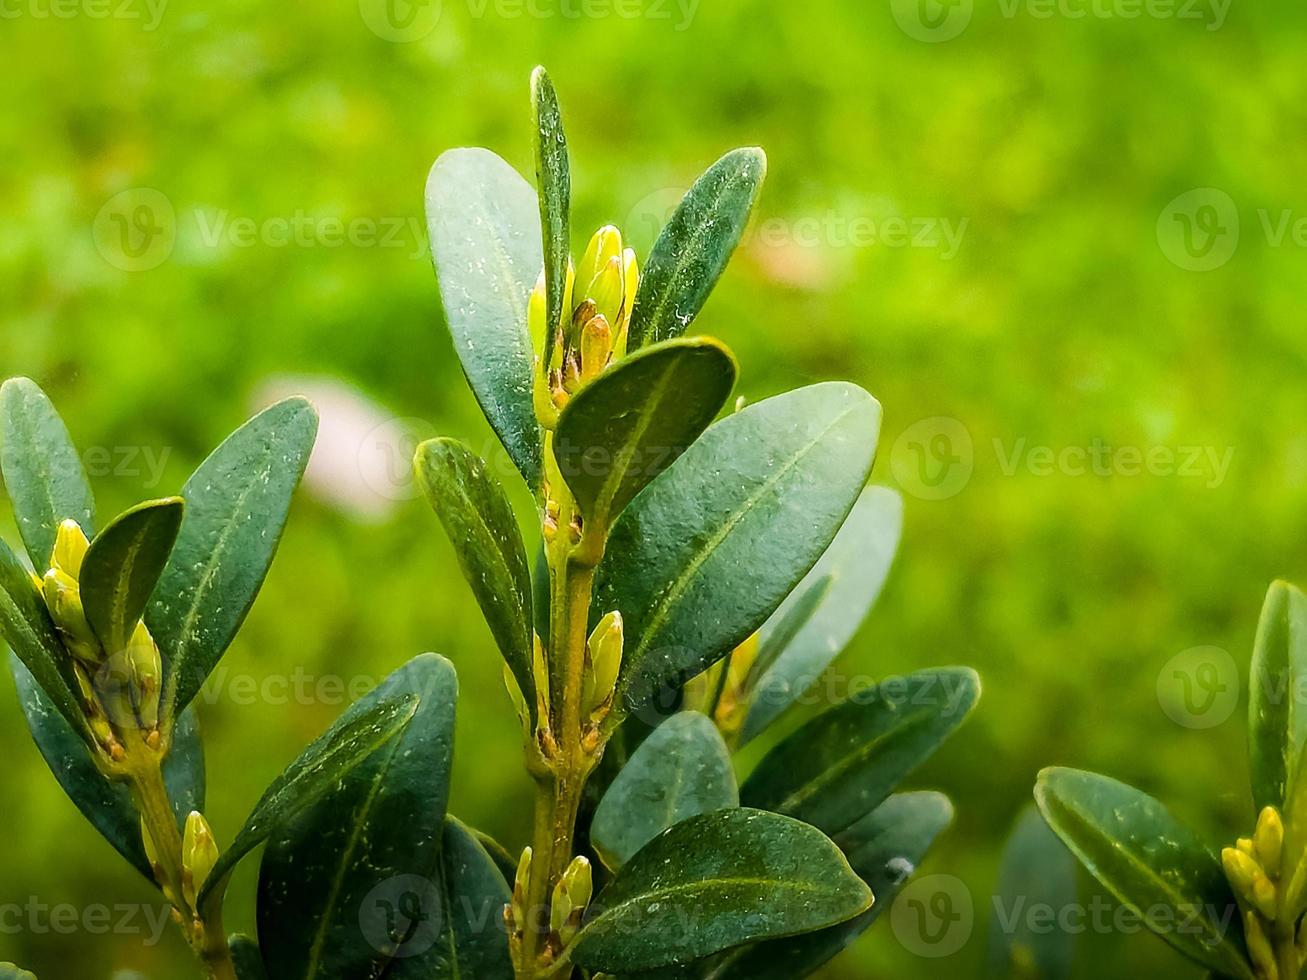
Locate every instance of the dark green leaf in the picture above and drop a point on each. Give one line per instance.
(42, 470)
(380, 825)
(554, 182)
(693, 250)
(484, 224)
(715, 881)
(1036, 872)
(106, 804)
(1277, 727)
(1150, 861)
(247, 959)
(504, 861)
(682, 770)
(635, 419)
(320, 767)
(123, 565)
(236, 507)
(846, 761)
(708, 551)
(479, 520)
(821, 616)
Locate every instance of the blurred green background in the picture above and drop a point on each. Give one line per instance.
(1069, 310)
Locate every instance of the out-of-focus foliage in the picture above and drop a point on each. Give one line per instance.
(1033, 159)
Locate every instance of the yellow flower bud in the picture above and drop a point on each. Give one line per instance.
(145, 676)
(1259, 947)
(605, 246)
(199, 855)
(571, 897)
(536, 314)
(63, 598)
(630, 286)
(70, 546)
(1245, 844)
(517, 903)
(1268, 840)
(596, 347)
(1249, 881)
(608, 291)
(603, 664)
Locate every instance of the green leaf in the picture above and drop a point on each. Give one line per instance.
(635, 419)
(484, 223)
(707, 552)
(319, 768)
(884, 849)
(1277, 728)
(247, 959)
(846, 761)
(42, 469)
(10, 972)
(236, 508)
(693, 250)
(820, 617)
(504, 861)
(25, 625)
(1150, 861)
(123, 565)
(682, 770)
(108, 805)
(479, 520)
(736, 876)
(554, 180)
(380, 823)
(1036, 871)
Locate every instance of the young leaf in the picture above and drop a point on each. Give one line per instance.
(42, 469)
(108, 805)
(236, 507)
(123, 565)
(1036, 870)
(479, 520)
(736, 876)
(693, 250)
(884, 848)
(682, 770)
(708, 551)
(1277, 728)
(846, 761)
(246, 958)
(635, 419)
(321, 870)
(1149, 861)
(798, 643)
(319, 768)
(10, 972)
(484, 225)
(554, 180)
(25, 625)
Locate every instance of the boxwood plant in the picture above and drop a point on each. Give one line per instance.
(1240, 914)
(693, 579)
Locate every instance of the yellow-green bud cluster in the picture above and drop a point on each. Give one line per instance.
(1253, 868)
(592, 331)
(199, 855)
(603, 662)
(571, 898)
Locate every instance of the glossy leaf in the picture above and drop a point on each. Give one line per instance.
(820, 617)
(123, 565)
(1149, 861)
(106, 804)
(847, 760)
(1036, 871)
(247, 959)
(635, 419)
(25, 625)
(716, 881)
(43, 471)
(693, 250)
(707, 551)
(382, 821)
(554, 184)
(319, 768)
(484, 224)
(479, 520)
(1276, 724)
(682, 770)
(236, 507)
